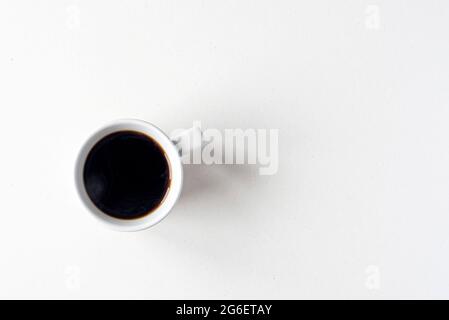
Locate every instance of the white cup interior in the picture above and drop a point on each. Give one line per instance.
(176, 175)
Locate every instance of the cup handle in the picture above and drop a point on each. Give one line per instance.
(187, 140)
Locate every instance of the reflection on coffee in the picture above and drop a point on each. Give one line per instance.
(127, 175)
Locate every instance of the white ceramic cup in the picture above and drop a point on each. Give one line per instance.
(176, 175)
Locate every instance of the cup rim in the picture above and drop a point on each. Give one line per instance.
(176, 175)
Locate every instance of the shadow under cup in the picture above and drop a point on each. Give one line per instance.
(129, 175)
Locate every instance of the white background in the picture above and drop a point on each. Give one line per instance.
(359, 91)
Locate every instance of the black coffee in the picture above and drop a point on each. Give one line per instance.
(127, 175)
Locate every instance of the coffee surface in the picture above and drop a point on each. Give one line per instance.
(126, 175)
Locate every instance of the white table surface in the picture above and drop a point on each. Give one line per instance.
(359, 91)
